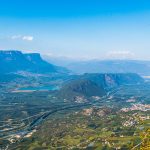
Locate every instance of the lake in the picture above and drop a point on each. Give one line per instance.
(39, 88)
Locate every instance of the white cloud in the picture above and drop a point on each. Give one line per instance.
(15, 37)
(120, 55)
(25, 37)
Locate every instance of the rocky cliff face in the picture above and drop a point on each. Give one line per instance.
(113, 79)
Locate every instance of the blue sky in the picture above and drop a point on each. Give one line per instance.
(77, 28)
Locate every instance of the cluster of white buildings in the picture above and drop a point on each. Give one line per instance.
(141, 107)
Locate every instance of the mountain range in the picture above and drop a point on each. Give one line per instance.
(14, 61)
(14, 65)
(103, 66)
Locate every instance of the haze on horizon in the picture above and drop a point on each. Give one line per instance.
(77, 29)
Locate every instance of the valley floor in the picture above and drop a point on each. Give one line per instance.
(119, 120)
